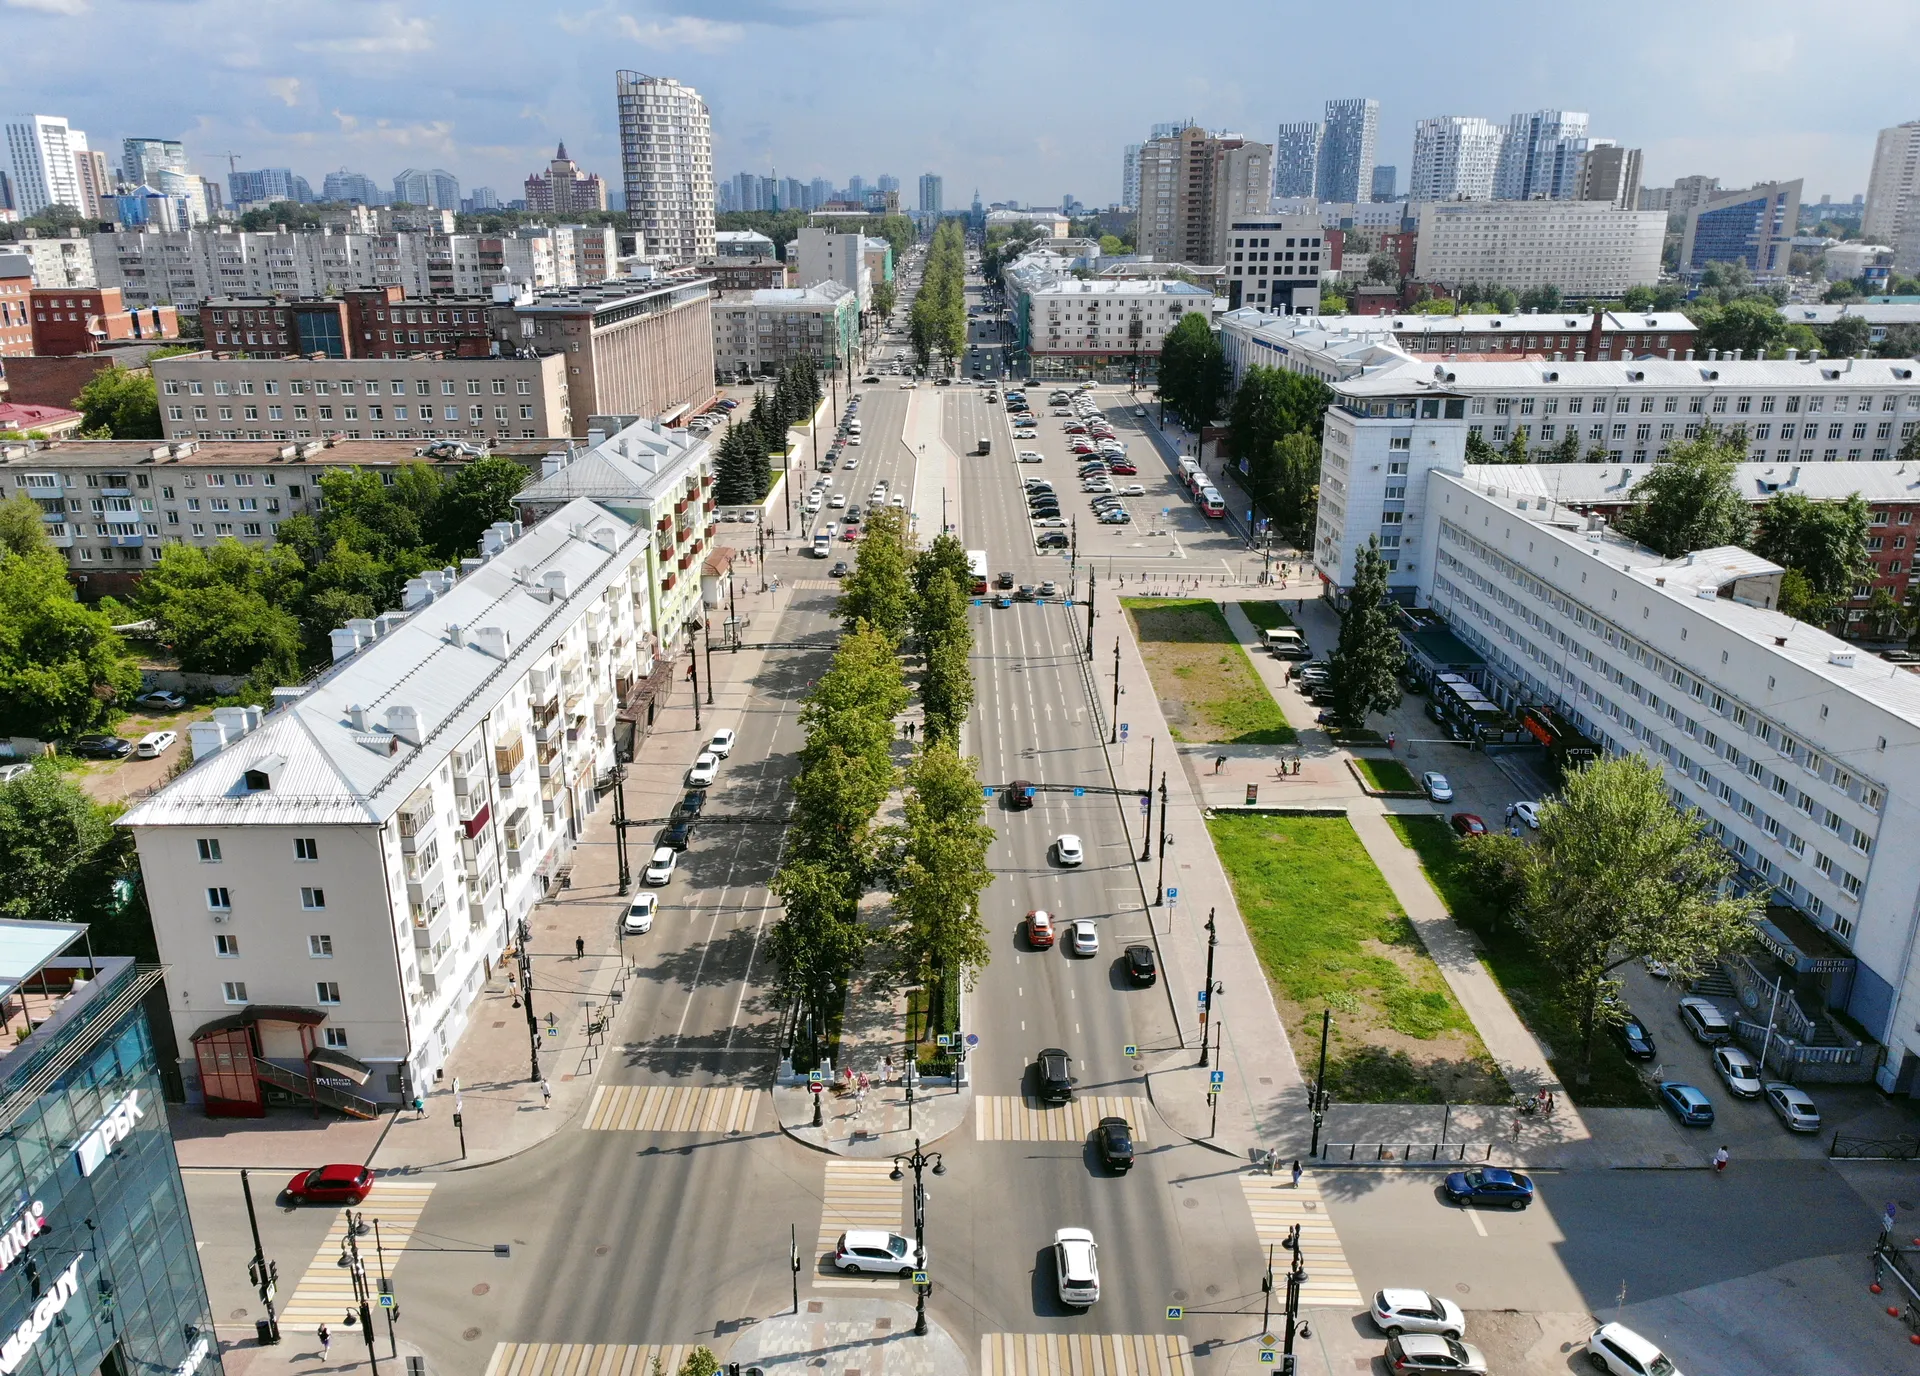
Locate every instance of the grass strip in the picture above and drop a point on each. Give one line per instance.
(1207, 686)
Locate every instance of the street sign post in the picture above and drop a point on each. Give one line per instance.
(1123, 730)
(1130, 1051)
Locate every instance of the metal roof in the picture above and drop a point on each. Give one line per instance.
(26, 946)
(1604, 484)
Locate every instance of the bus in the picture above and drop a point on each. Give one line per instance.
(1189, 470)
(1212, 506)
(977, 570)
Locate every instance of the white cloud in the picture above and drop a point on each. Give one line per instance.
(286, 87)
(396, 37)
(674, 31)
(67, 7)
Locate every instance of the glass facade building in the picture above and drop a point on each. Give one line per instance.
(98, 1269)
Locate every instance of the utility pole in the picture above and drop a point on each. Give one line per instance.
(1115, 739)
(526, 993)
(693, 664)
(264, 1274)
(1206, 995)
(793, 1259)
(356, 1270)
(760, 529)
(1266, 1286)
(706, 638)
(1146, 832)
(386, 1286)
(620, 828)
(919, 1160)
(1320, 1082)
(1089, 614)
(1160, 898)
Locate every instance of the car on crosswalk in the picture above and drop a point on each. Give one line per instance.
(331, 1185)
(872, 1249)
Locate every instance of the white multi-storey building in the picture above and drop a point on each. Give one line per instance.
(823, 255)
(1892, 213)
(1454, 158)
(46, 170)
(666, 157)
(1585, 248)
(1111, 327)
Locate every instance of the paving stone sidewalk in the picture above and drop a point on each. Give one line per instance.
(849, 1337)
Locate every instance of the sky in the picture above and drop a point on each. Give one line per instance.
(1024, 101)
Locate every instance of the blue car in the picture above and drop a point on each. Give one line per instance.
(1689, 1105)
(1490, 1185)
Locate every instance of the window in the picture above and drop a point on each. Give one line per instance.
(219, 900)
(234, 991)
(336, 1037)
(306, 848)
(320, 946)
(313, 898)
(326, 991)
(209, 850)
(226, 947)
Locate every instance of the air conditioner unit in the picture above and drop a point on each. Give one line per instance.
(221, 917)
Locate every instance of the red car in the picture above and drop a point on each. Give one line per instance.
(1126, 469)
(1469, 824)
(331, 1185)
(1039, 928)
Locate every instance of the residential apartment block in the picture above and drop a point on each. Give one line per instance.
(1585, 248)
(564, 190)
(1192, 184)
(666, 157)
(1455, 158)
(67, 261)
(1110, 328)
(85, 320)
(358, 857)
(1892, 212)
(16, 296)
(1345, 168)
(205, 396)
(758, 331)
(368, 322)
(825, 255)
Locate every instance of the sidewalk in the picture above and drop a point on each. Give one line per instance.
(849, 1337)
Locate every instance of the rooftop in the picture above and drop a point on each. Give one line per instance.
(293, 453)
(601, 296)
(827, 293)
(1603, 484)
(17, 417)
(1532, 374)
(632, 466)
(1873, 312)
(26, 947)
(1110, 286)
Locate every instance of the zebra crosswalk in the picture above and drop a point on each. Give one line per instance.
(1010, 1118)
(325, 1292)
(586, 1359)
(1085, 1354)
(858, 1194)
(672, 1108)
(1277, 1205)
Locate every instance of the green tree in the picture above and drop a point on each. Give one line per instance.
(878, 591)
(700, 1362)
(472, 498)
(945, 552)
(946, 688)
(1910, 447)
(22, 526)
(222, 608)
(1566, 451)
(1296, 496)
(885, 294)
(1479, 451)
(1846, 337)
(120, 405)
(1638, 297)
(943, 871)
(1544, 299)
(1826, 542)
(1110, 245)
(1516, 450)
(1690, 502)
(1365, 667)
(1750, 323)
(1332, 303)
(1619, 874)
(1193, 371)
(63, 670)
(59, 850)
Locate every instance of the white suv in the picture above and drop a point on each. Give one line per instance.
(1076, 1261)
(1618, 1349)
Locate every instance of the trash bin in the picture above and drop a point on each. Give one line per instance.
(267, 1331)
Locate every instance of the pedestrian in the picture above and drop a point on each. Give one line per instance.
(420, 1105)
(579, 948)
(886, 1071)
(326, 1340)
(776, 582)
(1720, 1160)
(1513, 830)
(1219, 762)
(1296, 1175)
(1509, 812)
(1391, 738)
(546, 1093)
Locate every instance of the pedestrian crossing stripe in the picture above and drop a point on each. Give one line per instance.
(814, 585)
(858, 1194)
(1276, 1206)
(1085, 1354)
(586, 1359)
(672, 1108)
(1010, 1118)
(325, 1292)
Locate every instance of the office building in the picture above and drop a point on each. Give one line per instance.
(1584, 248)
(825, 255)
(1296, 159)
(1192, 184)
(933, 196)
(759, 331)
(666, 156)
(480, 198)
(1130, 177)
(457, 770)
(564, 190)
(433, 187)
(362, 322)
(1275, 263)
(1892, 211)
(631, 348)
(1385, 178)
(1345, 168)
(111, 1277)
(1540, 156)
(351, 187)
(86, 320)
(266, 185)
(144, 160)
(1610, 173)
(46, 172)
(1754, 226)
(1455, 158)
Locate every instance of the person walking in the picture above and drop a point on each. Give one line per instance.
(546, 1093)
(326, 1340)
(579, 948)
(1219, 762)
(420, 1105)
(1720, 1160)
(1296, 1175)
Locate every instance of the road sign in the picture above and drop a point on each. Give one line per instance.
(1218, 1077)
(1203, 998)
(919, 1277)
(816, 1088)
(386, 1300)
(973, 1039)
(987, 792)
(1079, 792)
(1175, 1313)
(943, 1039)
(817, 1076)
(1146, 804)
(1267, 1356)
(1123, 730)
(1129, 1051)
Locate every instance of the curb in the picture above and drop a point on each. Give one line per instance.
(1174, 1128)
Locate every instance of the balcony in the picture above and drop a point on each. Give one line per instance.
(415, 817)
(508, 757)
(116, 492)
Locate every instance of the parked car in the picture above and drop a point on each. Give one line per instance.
(703, 771)
(1619, 1351)
(1737, 1071)
(1114, 1137)
(660, 869)
(161, 700)
(340, 1184)
(1053, 539)
(155, 744)
(639, 918)
(1686, 1103)
(1707, 1023)
(10, 772)
(1528, 812)
(871, 1249)
(1056, 1075)
(1415, 1311)
(1635, 1040)
(1084, 937)
(1469, 824)
(1490, 1185)
(1792, 1106)
(1142, 968)
(102, 747)
(1076, 1267)
(1430, 1352)
(678, 834)
(1436, 787)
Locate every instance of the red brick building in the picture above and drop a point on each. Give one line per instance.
(16, 291)
(85, 320)
(370, 322)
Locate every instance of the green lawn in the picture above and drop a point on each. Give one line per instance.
(1268, 616)
(1331, 936)
(1529, 982)
(1389, 776)
(1207, 686)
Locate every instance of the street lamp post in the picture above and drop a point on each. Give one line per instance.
(693, 664)
(1161, 897)
(919, 1161)
(1146, 832)
(356, 1270)
(1089, 613)
(1206, 995)
(526, 993)
(1115, 739)
(264, 1274)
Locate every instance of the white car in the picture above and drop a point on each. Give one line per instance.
(155, 744)
(853, 461)
(1030, 456)
(660, 869)
(813, 503)
(838, 500)
(1436, 787)
(907, 384)
(705, 769)
(1528, 812)
(639, 916)
(869, 1249)
(1415, 1311)
(1736, 1068)
(721, 743)
(8, 773)
(1617, 1349)
(1133, 490)
(1067, 850)
(1076, 1265)
(1084, 938)
(896, 500)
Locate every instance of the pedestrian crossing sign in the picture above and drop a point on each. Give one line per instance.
(1267, 1356)
(386, 1300)
(1175, 1313)
(1129, 1051)
(919, 1277)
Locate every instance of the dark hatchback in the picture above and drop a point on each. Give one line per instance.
(691, 805)
(1635, 1040)
(103, 747)
(1141, 966)
(1115, 1140)
(1020, 794)
(678, 834)
(1056, 1075)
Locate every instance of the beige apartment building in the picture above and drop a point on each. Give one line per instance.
(630, 348)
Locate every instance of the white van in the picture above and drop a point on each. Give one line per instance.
(823, 546)
(1284, 642)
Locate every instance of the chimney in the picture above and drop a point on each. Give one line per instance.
(416, 593)
(404, 722)
(207, 738)
(1669, 355)
(1593, 334)
(286, 697)
(233, 720)
(1689, 355)
(1794, 478)
(1579, 355)
(346, 641)
(495, 640)
(357, 715)
(1792, 354)
(606, 538)
(556, 579)
(1712, 355)
(364, 628)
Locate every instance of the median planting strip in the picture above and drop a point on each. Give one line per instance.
(1207, 686)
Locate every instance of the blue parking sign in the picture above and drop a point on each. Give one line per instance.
(1079, 792)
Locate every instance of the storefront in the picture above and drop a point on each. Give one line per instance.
(98, 1270)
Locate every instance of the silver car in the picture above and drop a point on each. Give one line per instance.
(1792, 1106)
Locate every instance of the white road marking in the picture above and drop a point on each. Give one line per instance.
(1473, 1216)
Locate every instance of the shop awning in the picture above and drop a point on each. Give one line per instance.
(333, 1059)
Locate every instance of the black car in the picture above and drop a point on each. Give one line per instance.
(1004, 581)
(1053, 539)
(103, 747)
(691, 805)
(839, 570)
(1020, 794)
(1141, 967)
(1635, 1040)
(678, 834)
(1025, 594)
(1056, 1075)
(1115, 1140)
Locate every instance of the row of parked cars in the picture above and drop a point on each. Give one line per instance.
(1425, 1332)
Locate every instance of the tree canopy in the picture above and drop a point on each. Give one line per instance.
(1365, 667)
(1824, 542)
(1690, 502)
(120, 404)
(1193, 371)
(63, 669)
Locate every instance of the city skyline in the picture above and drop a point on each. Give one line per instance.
(376, 89)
